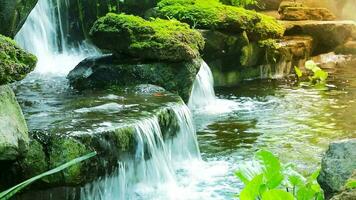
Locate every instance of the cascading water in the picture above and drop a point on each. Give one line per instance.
(43, 35)
(202, 99)
(152, 173)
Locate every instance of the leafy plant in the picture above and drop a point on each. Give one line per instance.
(12, 191)
(350, 184)
(319, 75)
(267, 179)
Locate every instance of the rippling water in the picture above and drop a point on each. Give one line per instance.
(295, 122)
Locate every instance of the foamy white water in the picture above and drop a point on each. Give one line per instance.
(202, 99)
(42, 34)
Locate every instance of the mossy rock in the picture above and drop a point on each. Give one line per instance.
(148, 40)
(14, 137)
(213, 15)
(110, 71)
(15, 63)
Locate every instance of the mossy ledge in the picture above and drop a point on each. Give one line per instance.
(213, 15)
(157, 39)
(15, 63)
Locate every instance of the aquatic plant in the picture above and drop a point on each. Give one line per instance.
(17, 188)
(319, 76)
(268, 179)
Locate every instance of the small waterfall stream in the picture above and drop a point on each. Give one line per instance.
(152, 173)
(43, 35)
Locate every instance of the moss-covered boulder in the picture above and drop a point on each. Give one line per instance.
(15, 63)
(13, 129)
(108, 71)
(13, 15)
(213, 15)
(147, 40)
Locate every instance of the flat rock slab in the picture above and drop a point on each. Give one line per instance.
(65, 124)
(305, 13)
(327, 35)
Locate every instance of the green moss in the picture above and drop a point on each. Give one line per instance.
(15, 63)
(64, 150)
(157, 39)
(211, 14)
(124, 138)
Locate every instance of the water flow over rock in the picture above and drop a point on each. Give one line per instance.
(43, 35)
(152, 172)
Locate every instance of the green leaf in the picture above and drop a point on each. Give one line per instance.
(277, 194)
(350, 184)
(252, 189)
(321, 75)
(311, 65)
(306, 193)
(12, 191)
(298, 72)
(272, 168)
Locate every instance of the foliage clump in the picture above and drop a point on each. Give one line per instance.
(212, 14)
(157, 39)
(268, 179)
(15, 63)
(318, 77)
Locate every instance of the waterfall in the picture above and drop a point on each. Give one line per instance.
(203, 93)
(152, 172)
(43, 35)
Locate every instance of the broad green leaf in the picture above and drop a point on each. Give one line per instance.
(305, 193)
(277, 194)
(272, 168)
(12, 191)
(320, 75)
(252, 189)
(295, 180)
(248, 171)
(311, 65)
(350, 184)
(298, 72)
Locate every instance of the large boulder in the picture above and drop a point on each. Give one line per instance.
(14, 137)
(327, 35)
(337, 166)
(13, 15)
(158, 39)
(15, 63)
(107, 71)
(348, 193)
(213, 15)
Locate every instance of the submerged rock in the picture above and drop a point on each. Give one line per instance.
(112, 71)
(347, 48)
(14, 137)
(112, 132)
(337, 166)
(327, 35)
(13, 15)
(15, 63)
(213, 15)
(148, 40)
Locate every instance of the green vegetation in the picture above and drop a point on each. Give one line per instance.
(157, 39)
(212, 14)
(15, 63)
(241, 3)
(14, 190)
(318, 77)
(268, 179)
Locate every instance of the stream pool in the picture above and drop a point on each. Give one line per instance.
(296, 123)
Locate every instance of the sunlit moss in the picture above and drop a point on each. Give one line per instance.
(212, 14)
(156, 39)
